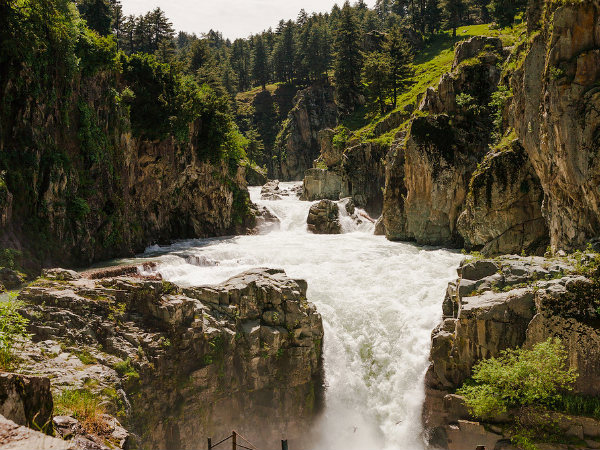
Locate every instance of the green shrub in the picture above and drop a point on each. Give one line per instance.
(13, 330)
(126, 369)
(519, 378)
(95, 52)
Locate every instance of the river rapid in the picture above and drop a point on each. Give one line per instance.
(379, 301)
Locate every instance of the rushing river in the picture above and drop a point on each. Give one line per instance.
(379, 301)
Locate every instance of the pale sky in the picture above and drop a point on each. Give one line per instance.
(234, 18)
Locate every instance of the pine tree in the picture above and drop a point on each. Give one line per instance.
(433, 16)
(348, 60)
(319, 47)
(400, 61)
(504, 11)
(260, 66)
(240, 62)
(377, 76)
(97, 14)
(453, 12)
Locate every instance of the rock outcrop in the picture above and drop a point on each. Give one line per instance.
(18, 437)
(428, 172)
(90, 189)
(503, 209)
(324, 218)
(298, 142)
(178, 365)
(322, 184)
(502, 304)
(556, 114)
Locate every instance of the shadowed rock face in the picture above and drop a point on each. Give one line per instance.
(186, 364)
(503, 213)
(26, 400)
(556, 114)
(298, 143)
(506, 303)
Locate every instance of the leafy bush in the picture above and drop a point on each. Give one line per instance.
(519, 378)
(126, 369)
(95, 52)
(13, 330)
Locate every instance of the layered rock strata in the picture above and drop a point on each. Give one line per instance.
(178, 365)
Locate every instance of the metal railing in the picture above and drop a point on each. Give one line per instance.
(234, 442)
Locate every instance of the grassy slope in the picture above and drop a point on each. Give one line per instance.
(429, 65)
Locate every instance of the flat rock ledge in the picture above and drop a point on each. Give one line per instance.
(177, 365)
(503, 303)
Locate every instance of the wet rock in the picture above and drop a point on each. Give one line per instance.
(266, 220)
(270, 191)
(323, 218)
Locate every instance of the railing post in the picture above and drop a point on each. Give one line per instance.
(209, 444)
(284, 445)
(233, 440)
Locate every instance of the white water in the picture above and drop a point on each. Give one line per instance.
(379, 301)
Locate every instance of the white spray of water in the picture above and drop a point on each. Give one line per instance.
(379, 301)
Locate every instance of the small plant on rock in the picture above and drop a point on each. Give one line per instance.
(85, 406)
(13, 331)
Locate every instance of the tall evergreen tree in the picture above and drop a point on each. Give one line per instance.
(453, 12)
(240, 62)
(376, 75)
(504, 11)
(97, 14)
(400, 61)
(348, 60)
(260, 63)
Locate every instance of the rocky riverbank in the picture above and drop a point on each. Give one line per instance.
(168, 367)
(505, 303)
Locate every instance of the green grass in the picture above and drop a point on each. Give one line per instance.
(84, 406)
(429, 65)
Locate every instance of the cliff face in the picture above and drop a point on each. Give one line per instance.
(428, 176)
(80, 188)
(297, 144)
(502, 213)
(177, 366)
(555, 112)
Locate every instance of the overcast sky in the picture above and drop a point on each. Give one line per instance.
(234, 18)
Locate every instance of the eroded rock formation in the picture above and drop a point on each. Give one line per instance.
(177, 365)
(298, 142)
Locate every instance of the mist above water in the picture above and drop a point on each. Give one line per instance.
(379, 301)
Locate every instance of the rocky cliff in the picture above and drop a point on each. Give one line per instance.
(428, 174)
(506, 303)
(297, 144)
(81, 188)
(555, 112)
(175, 365)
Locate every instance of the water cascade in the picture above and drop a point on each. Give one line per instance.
(379, 301)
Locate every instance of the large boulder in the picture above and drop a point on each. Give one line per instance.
(322, 184)
(26, 400)
(323, 218)
(17, 437)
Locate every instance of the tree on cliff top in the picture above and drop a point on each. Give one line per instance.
(348, 60)
(260, 63)
(400, 61)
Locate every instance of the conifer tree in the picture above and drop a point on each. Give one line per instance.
(453, 12)
(376, 75)
(400, 61)
(348, 60)
(97, 14)
(260, 66)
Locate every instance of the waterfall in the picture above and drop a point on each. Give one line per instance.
(379, 300)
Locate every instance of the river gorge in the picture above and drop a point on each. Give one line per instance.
(379, 301)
